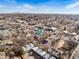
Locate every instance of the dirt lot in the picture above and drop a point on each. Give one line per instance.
(2, 56)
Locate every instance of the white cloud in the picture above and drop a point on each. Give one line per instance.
(75, 5)
(25, 6)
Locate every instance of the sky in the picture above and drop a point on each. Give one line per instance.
(40, 6)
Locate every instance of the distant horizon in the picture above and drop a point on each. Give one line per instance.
(42, 13)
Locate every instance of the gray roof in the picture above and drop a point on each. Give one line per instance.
(43, 53)
(47, 56)
(52, 57)
(39, 51)
(29, 46)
